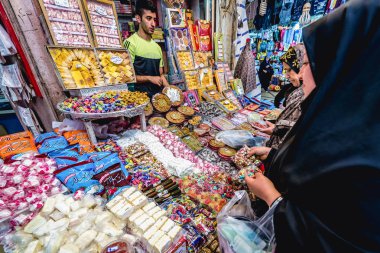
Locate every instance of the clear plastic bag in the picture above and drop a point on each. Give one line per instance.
(239, 231)
(239, 138)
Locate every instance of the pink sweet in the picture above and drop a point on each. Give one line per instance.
(5, 213)
(9, 191)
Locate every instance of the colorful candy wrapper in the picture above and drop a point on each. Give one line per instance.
(113, 177)
(18, 146)
(106, 162)
(77, 176)
(51, 144)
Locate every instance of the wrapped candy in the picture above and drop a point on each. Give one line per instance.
(25, 183)
(179, 149)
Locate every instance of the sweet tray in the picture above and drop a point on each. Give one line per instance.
(76, 68)
(185, 60)
(67, 23)
(192, 79)
(161, 102)
(116, 65)
(132, 112)
(180, 39)
(201, 59)
(102, 17)
(175, 95)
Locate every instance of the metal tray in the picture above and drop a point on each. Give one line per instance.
(138, 110)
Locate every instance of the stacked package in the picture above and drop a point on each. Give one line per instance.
(68, 225)
(146, 218)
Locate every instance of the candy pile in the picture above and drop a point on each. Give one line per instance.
(146, 219)
(109, 101)
(68, 225)
(179, 149)
(212, 191)
(174, 165)
(25, 183)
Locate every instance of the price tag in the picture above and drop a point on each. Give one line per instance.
(63, 3)
(116, 60)
(100, 10)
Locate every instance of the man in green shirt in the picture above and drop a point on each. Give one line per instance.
(145, 52)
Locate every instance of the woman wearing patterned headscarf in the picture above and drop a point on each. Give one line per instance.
(292, 61)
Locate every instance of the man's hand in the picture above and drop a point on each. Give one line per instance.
(260, 152)
(157, 80)
(164, 81)
(262, 187)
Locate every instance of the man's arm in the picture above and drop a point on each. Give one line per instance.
(164, 81)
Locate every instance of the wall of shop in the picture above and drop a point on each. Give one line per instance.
(25, 19)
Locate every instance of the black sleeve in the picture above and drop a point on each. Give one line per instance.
(281, 95)
(336, 212)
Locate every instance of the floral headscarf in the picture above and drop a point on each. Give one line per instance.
(294, 57)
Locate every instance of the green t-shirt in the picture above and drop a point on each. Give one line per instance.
(147, 60)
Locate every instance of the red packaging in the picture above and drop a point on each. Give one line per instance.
(204, 31)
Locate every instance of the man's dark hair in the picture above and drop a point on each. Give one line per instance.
(142, 5)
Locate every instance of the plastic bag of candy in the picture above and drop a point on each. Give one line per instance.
(238, 231)
(239, 138)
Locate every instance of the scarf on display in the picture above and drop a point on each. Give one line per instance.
(245, 69)
(297, 9)
(286, 12)
(328, 166)
(242, 32)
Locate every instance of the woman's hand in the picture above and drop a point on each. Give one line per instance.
(269, 129)
(260, 152)
(262, 187)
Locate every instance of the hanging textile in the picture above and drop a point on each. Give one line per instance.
(297, 9)
(245, 69)
(333, 4)
(286, 12)
(242, 33)
(318, 7)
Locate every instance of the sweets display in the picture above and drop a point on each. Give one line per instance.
(175, 117)
(103, 20)
(180, 38)
(104, 102)
(205, 43)
(174, 94)
(161, 102)
(158, 121)
(26, 182)
(148, 109)
(205, 76)
(78, 68)
(66, 224)
(66, 22)
(212, 95)
(192, 79)
(210, 110)
(185, 60)
(201, 59)
(256, 120)
(228, 106)
(186, 110)
(117, 66)
(222, 123)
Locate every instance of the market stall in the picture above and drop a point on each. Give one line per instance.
(106, 182)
